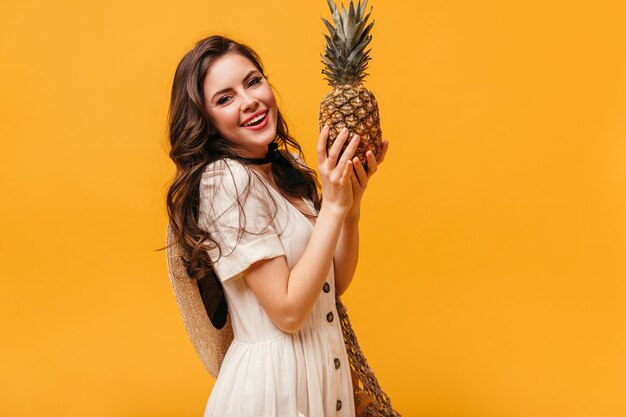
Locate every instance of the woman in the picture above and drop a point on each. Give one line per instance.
(247, 212)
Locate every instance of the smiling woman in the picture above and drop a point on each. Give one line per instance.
(242, 106)
(255, 237)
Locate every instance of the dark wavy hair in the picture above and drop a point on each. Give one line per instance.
(195, 144)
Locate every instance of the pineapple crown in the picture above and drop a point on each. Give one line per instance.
(345, 58)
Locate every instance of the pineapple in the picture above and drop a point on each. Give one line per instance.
(345, 59)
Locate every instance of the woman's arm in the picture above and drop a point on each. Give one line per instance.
(347, 252)
(287, 296)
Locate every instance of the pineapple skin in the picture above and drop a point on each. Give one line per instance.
(354, 107)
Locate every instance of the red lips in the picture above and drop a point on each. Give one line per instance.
(260, 112)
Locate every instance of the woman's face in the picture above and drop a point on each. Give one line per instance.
(241, 104)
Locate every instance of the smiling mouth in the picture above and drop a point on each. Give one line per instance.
(256, 121)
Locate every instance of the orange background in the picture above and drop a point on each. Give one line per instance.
(492, 274)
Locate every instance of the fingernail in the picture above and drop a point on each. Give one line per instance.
(345, 129)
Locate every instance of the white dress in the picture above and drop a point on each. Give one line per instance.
(267, 372)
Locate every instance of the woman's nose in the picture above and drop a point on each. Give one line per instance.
(249, 103)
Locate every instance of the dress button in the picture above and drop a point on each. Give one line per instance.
(338, 405)
(326, 287)
(329, 316)
(337, 363)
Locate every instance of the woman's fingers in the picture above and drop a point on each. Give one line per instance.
(381, 158)
(347, 172)
(321, 144)
(335, 149)
(348, 153)
(361, 175)
(355, 182)
(372, 162)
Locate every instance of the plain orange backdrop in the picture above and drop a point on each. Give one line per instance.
(491, 280)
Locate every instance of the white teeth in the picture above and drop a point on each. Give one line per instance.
(256, 119)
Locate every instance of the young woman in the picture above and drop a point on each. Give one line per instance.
(247, 211)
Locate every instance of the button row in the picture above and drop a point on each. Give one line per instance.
(330, 317)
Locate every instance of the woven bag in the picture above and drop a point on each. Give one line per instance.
(369, 398)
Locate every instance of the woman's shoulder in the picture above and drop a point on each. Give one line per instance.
(226, 175)
(224, 164)
(225, 168)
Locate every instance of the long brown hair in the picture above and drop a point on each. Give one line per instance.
(194, 146)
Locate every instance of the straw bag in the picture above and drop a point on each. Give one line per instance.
(369, 398)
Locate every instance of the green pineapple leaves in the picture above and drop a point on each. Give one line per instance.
(345, 58)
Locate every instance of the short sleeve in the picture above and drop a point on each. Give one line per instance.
(236, 209)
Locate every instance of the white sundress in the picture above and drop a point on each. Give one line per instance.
(267, 372)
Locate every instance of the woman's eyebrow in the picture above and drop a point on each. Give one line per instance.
(224, 90)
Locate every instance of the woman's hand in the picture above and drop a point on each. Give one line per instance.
(336, 173)
(361, 178)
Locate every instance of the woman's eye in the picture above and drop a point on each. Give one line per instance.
(223, 99)
(254, 81)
